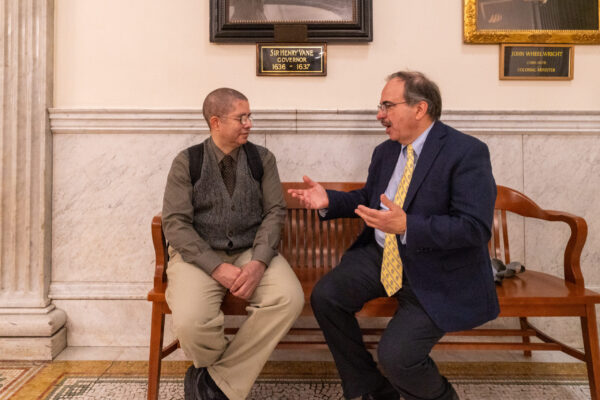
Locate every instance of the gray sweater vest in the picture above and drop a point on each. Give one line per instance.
(227, 223)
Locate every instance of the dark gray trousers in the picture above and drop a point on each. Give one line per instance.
(405, 345)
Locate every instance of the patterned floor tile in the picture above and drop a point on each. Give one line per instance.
(296, 381)
(13, 375)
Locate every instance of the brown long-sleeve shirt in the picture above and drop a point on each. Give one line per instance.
(178, 212)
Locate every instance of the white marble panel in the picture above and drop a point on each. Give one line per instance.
(563, 173)
(107, 322)
(506, 153)
(565, 329)
(323, 157)
(106, 189)
(108, 186)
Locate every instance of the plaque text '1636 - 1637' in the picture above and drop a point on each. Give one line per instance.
(291, 59)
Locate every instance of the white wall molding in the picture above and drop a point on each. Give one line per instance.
(152, 121)
(99, 290)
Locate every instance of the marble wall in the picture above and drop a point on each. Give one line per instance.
(110, 171)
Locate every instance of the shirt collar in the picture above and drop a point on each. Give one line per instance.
(419, 142)
(219, 153)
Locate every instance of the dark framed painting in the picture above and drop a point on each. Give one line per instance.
(325, 21)
(532, 21)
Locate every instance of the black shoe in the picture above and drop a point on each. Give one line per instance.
(198, 385)
(454, 395)
(385, 392)
(190, 383)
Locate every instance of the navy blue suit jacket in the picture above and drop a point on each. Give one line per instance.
(449, 207)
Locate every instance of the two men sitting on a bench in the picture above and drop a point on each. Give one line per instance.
(428, 205)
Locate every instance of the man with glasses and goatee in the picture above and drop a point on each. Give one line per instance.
(428, 206)
(223, 212)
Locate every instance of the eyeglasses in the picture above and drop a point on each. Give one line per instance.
(386, 105)
(243, 119)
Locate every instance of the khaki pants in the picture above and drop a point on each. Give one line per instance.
(195, 299)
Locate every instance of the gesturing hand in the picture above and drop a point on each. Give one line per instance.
(388, 221)
(314, 197)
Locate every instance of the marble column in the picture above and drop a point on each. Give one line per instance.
(30, 326)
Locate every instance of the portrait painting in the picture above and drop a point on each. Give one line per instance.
(531, 21)
(255, 20)
(290, 11)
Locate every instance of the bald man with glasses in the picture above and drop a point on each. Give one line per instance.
(223, 213)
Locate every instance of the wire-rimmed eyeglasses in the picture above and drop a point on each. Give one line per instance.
(386, 105)
(242, 119)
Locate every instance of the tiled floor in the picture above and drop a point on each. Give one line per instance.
(127, 380)
(120, 373)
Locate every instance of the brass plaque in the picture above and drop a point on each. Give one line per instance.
(536, 62)
(291, 59)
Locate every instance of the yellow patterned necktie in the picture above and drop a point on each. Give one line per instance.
(391, 266)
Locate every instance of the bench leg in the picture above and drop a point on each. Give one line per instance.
(157, 330)
(525, 325)
(592, 355)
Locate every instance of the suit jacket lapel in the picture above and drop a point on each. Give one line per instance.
(433, 144)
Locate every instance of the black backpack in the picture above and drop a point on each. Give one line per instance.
(196, 155)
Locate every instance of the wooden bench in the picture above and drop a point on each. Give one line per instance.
(313, 247)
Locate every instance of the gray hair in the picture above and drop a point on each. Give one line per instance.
(219, 102)
(417, 88)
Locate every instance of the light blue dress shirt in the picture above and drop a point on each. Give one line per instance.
(392, 187)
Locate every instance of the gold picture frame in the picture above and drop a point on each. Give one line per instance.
(531, 21)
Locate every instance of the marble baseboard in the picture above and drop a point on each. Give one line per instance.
(33, 348)
(89, 353)
(31, 322)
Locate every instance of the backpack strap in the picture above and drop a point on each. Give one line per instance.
(196, 156)
(254, 161)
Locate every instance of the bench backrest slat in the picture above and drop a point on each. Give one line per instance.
(308, 242)
(325, 242)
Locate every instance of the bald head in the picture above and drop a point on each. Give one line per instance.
(219, 102)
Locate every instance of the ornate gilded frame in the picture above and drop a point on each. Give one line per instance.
(486, 36)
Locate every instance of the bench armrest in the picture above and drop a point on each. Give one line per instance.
(162, 256)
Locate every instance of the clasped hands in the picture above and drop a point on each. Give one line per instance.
(392, 220)
(241, 281)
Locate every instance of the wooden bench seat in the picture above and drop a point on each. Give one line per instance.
(313, 247)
